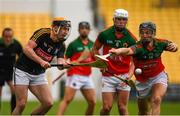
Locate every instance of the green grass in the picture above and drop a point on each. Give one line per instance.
(78, 108)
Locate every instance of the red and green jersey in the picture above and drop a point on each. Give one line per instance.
(74, 51)
(149, 59)
(110, 39)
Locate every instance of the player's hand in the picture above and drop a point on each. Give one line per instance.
(171, 47)
(74, 62)
(126, 77)
(66, 64)
(103, 70)
(45, 64)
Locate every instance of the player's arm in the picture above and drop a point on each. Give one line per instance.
(61, 57)
(172, 47)
(125, 51)
(122, 51)
(19, 48)
(29, 52)
(96, 47)
(95, 50)
(131, 70)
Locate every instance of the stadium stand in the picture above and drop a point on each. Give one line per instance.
(24, 24)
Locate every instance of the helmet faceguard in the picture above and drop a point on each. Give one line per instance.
(149, 29)
(61, 23)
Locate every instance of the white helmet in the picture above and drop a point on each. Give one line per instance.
(120, 13)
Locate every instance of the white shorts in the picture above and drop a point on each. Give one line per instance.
(144, 89)
(79, 82)
(113, 84)
(24, 78)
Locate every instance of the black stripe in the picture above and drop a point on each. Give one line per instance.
(14, 76)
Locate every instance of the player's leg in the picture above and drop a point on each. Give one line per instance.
(107, 99)
(123, 91)
(68, 97)
(72, 85)
(0, 95)
(2, 82)
(21, 92)
(144, 100)
(144, 106)
(158, 91)
(123, 97)
(11, 86)
(108, 92)
(21, 83)
(90, 96)
(89, 93)
(13, 97)
(43, 94)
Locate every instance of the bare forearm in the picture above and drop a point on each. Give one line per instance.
(96, 47)
(131, 70)
(124, 51)
(32, 55)
(121, 51)
(95, 51)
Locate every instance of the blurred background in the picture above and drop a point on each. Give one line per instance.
(26, 16)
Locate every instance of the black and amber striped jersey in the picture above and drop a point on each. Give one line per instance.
(46, 49)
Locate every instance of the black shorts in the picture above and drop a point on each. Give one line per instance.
(5, 78)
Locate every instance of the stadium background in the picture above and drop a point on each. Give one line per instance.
(25, 16)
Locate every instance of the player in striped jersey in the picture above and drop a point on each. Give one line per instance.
(152, 82)
(29, 73)
(117, 36)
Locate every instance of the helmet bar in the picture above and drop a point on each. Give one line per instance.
(63, 23)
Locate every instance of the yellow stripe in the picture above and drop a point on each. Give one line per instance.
(37, 36)
(39, 33)
(42, 31)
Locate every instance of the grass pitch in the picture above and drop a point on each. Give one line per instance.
(79, 107)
